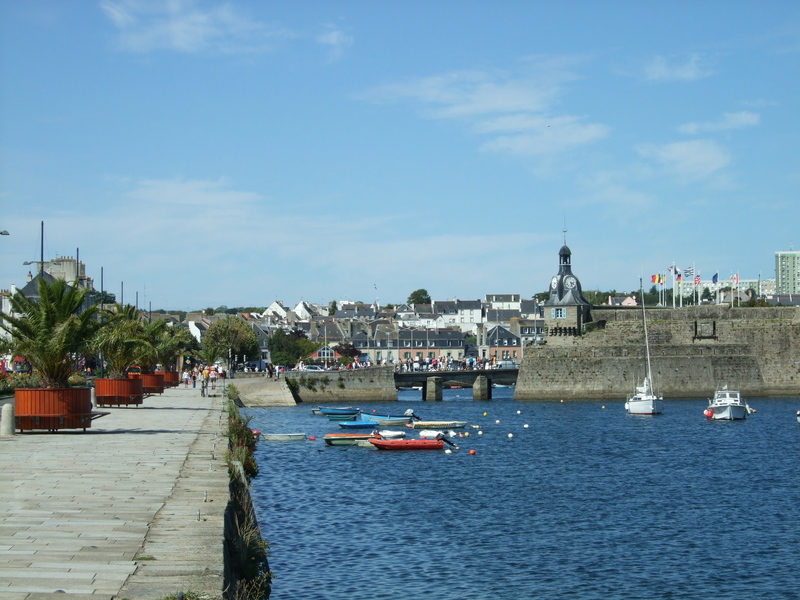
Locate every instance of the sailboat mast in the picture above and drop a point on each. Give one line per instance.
(646, 340)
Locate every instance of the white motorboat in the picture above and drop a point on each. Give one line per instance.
(389, 434)
(644, 401)
(727, 405)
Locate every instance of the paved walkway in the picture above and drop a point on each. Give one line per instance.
(133, 508)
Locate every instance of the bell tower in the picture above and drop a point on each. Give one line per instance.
(565, 310)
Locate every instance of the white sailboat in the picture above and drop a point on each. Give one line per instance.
(645, 401)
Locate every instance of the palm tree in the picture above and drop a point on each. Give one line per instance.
(52, 332)
(121, 341)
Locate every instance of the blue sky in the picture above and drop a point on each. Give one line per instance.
(208, 153)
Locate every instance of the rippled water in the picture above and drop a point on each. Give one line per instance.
(585, 503)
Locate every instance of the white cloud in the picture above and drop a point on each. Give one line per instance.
(728, 121)
(661, 69)
(688, 161)
(514, 109)
(538, 135)
(336, 41)
(462, 94)
(181, 25)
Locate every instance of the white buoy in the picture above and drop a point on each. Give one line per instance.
(510, 435)
(497, 422)
(448, 451)
(519, 412)
(525, 426)
(480, 433)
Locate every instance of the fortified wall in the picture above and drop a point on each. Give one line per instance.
(693, 351)
(374, 384)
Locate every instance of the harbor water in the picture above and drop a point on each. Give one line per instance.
(573, 500)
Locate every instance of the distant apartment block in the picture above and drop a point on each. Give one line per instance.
(787, 264)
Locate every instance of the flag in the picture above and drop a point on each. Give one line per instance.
(679, 277)
(736, 279)
(688, 272)
(654, 279)
(697, 279)
(715, 278)
(676, 271)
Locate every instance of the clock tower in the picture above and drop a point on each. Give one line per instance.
(565, 310)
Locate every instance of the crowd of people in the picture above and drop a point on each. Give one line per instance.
(207, 376)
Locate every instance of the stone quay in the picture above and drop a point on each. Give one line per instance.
(132, 508)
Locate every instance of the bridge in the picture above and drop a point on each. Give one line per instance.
(480, 380)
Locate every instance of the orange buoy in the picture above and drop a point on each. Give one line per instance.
(472, 452)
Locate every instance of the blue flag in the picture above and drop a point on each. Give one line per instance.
(715, 278)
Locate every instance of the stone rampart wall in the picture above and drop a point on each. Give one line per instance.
(373, 384)
(693, 351)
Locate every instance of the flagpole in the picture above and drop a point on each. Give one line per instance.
(673, 284)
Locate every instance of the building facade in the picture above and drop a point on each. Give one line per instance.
(787, 264)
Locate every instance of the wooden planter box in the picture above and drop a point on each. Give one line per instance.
(116, 392)
(171, 378)
(152, 383)
(53, 409)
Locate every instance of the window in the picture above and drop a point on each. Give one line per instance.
(406, 355)
(558, 313)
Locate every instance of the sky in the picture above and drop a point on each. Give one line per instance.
(206, 153)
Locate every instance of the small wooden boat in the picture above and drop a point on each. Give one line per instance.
(389, 434)
(283, 437)
(387, 420)
(339, 410)
(382, 444)
(438, 424)
(358, 424)
(347, 439)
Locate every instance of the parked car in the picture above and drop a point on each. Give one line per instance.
(313, 368)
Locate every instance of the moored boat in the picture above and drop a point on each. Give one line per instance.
(346, 439)
(358, 424)
(390, 434)
(438, 424)
(644, 401)
(339, 410)
(727, 405)
(387, 420)
(432, 433)
(283, 437)
(382, 444)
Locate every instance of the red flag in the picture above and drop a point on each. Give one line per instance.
(654, 279)
(697, 279)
